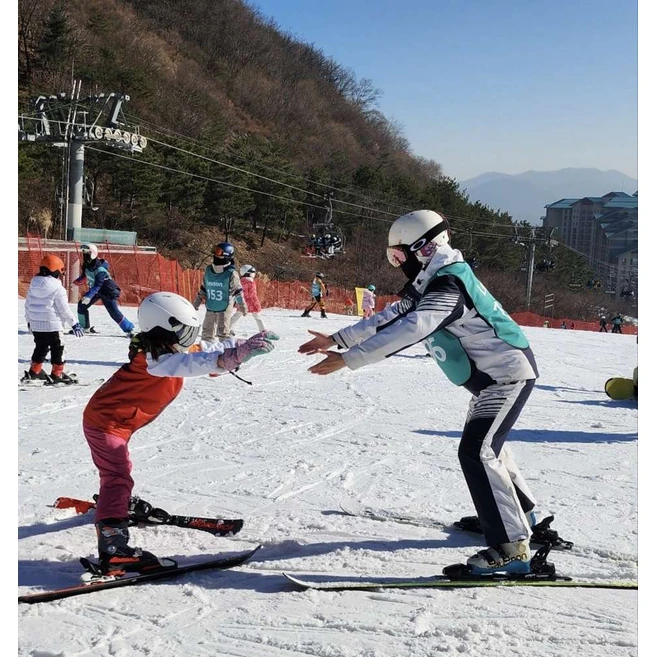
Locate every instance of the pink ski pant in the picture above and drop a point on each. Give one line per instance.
(111, 456)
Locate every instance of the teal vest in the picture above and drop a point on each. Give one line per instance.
(217, 287)
(447, 349)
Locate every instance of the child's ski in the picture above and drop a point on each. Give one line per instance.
(142, 513)
(220, 563)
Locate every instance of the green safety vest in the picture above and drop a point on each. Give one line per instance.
(447, 350)
(217, 287)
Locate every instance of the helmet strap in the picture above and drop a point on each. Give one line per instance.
(428, 236)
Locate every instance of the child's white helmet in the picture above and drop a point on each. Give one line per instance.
(247, 270)
(172, 313)
(90, 249)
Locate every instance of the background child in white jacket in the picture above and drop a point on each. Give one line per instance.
(46, 309)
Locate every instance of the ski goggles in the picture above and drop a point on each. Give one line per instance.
(221, 253)
(186, 335)
(399, 254)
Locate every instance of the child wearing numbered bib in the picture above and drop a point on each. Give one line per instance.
(221, 291)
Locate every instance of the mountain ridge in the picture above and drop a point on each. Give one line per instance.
(525, 195)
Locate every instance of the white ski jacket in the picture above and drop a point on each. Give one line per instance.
(473, 340)
(46, 305)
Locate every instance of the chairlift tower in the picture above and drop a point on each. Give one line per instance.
(72, 122)
(530, 244)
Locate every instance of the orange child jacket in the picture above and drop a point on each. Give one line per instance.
(131, 398)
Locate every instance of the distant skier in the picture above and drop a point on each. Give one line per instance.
(251, 300)
(318, 290)
(603, 324)
(101, 288)
(617, 323)
(369, 301)
(478, 346)
(221, 291)
(46, 309)
(133, 397)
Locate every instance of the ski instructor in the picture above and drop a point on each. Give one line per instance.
(478, 346)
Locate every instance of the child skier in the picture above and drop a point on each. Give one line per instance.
(101, 288)
(46, 308)
(220, 290)
(478, 346)
(318, 291)
(134, 396)
(369, 301)
(250, 293)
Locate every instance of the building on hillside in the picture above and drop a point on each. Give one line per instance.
(605, 230)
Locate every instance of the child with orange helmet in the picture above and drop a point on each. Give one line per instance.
(46, 310)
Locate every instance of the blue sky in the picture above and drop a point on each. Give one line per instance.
(482, 85)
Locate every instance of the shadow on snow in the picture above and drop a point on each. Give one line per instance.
(548, 436)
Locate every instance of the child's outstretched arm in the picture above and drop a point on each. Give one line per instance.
(218, 359)
(257, 345)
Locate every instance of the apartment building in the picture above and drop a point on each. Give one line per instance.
(604, 230)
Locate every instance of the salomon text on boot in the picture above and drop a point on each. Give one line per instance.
(511, 558)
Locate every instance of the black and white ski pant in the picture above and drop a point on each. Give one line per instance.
(500, 495)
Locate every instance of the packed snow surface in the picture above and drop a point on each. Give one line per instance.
(282, 453)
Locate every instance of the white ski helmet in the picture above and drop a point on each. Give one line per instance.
(90, 249)
(247, 270)
(172, 313)
(413, 239)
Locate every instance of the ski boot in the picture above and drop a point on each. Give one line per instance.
(142, 512)
(511, 558)
(323, 315)
(305, 314)
(116, 557)
(92, 329)
(63, 377)
(536, 568)
(31, 375)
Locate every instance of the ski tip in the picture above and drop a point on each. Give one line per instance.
(300, 584)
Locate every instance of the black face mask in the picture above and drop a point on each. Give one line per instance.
(220, 261)
(412, 267)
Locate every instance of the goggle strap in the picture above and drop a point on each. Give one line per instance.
(428, 236)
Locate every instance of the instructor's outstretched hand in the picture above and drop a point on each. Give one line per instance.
(332, 363)
(319, 344)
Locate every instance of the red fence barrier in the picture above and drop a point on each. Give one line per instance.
(137, 272)
(141, 272)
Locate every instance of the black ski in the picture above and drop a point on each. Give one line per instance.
(542, 573)
(221, 563)
(542, 534)
(142, 513)
(442, 581)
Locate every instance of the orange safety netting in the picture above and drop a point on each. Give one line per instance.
(138, 273)
(142, 272)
